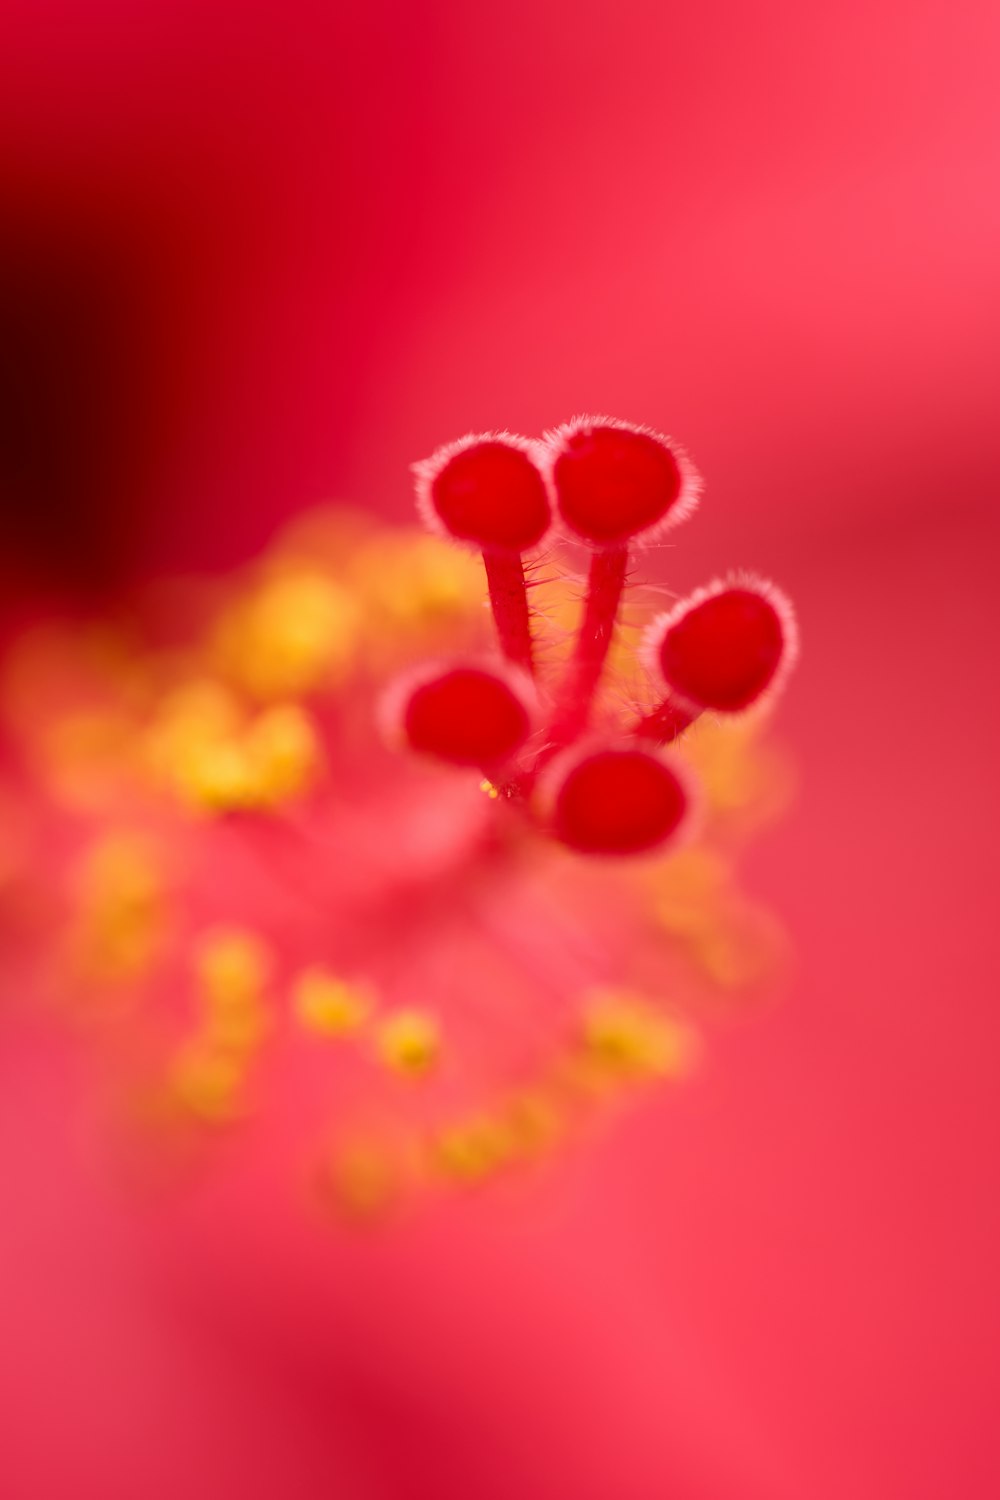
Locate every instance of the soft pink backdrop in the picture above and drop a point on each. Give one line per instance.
(772, 230)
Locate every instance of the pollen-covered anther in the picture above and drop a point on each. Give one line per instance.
(233, 966)
(409, 1041)
(283, 750)
(626, 1036)
(467, 715)
(487, 489)
(331, 1006)
(725, 646)
(471, 1150)
(615, 482)
(615, 800)
(122, 909)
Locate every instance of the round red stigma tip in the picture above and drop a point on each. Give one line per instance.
(722, 651)
(622, 801)
(467, 716)
(488, 490)
(614, 482)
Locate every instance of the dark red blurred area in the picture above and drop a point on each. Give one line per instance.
(258, 258)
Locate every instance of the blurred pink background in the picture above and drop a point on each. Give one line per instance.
(320, 241)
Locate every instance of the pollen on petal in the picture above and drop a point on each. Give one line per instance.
(614, 482)
(618, 801)
(487, 490)
(722, 649)
(468, 716)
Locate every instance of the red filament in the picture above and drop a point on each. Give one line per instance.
(614, 482)
(722, 651)
(467, 716)
(489, 491)
(618, 801)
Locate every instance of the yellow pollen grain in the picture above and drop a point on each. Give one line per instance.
(489, 789)
(233, 966)
(409, 1041)
(217, 777)
(630, 1038)
(330, 1006)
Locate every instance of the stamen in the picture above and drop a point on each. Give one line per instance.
(627, 1037)
(409, 1041)
(617, 800)
(233, 966)
(122, 914)
(331, 1006)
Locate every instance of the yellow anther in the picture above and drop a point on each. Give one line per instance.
(217, 777)
(295, 632)
(740, 775)
(487, 786)
(209, 1083)
(282, 748)
(329, 1005)
(475, 1148)
(193, 746)
(409, 1041)
(200, 711)
(416, 578)
(630, 1038)
(233, 967)
(121, 918)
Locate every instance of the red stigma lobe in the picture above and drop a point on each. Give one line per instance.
(623, 801)
(467, 716)
(492, 493)
(723, 651)
(614, 482)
